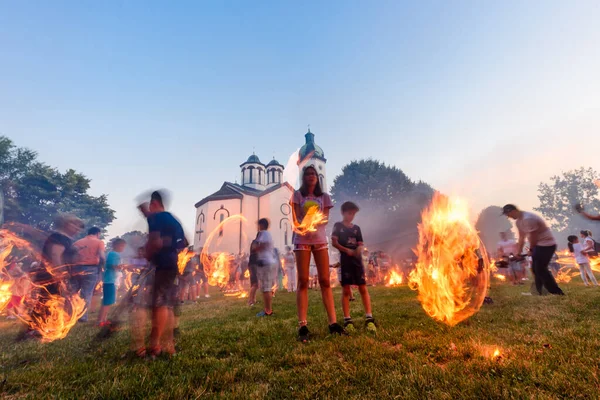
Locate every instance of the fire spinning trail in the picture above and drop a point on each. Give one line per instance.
(452, 271)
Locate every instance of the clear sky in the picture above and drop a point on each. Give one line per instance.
(480, 98)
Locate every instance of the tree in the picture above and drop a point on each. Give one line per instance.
(558, 198)
(35, 192)
(390, 204)
(134, 240)
(490, 223)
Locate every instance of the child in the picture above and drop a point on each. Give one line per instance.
(109, 291)
(265, 271)
(582, 259)
(347, 238)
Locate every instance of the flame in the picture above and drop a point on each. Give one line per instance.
(451, 273)
(216, 264)
(311, 221)
(247, 274)
(500, 277)
(394, 279)
(284, 281)
(183, 258)
(496, 354)
(5, 293)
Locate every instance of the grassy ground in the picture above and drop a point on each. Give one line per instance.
(550, 348)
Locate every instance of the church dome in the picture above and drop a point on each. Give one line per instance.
(274, 163)
(253, 159)
(310, 149)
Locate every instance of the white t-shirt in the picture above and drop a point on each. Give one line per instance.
(579, 258)
(507, 247)
(535, 229)
(588, 244)
(266, 255)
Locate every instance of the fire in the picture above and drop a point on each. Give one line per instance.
(5, 293)
(247, 274)
(500, 277)
(496, 355)
(284, 281)
(216, 264)
(311, 221)
(54, 317)
(451, 273)
(183, 258)
(394, 279)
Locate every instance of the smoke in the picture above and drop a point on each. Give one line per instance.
(392, 226)
(291, 172)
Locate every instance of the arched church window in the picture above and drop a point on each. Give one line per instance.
(250, 174)
(221, 218)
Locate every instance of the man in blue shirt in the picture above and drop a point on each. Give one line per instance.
(165, 240)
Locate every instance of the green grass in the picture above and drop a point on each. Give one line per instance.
(550, 349)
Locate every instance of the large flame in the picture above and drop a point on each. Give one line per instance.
(451, 274)
(51, 315)
(5, 293)
(311, 221)
(394, 278)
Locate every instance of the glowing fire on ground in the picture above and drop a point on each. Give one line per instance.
(311, 221)
(247, 274)
(5, 294)
(500, 277)
(451, 274)
(394, 279)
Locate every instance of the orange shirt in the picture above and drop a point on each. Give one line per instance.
(88, 250)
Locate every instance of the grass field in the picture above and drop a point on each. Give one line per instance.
(550, 348)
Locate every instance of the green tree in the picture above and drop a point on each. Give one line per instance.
(558, 197)
(490, 223)
(35, 192)
(390, 204)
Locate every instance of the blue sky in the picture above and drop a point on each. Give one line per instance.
(482, 99)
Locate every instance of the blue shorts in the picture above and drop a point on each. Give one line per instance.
(109, 294)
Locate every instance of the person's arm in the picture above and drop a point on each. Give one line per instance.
(335, 243)
(326, 219)
(588, 245)
(102, 254)
(521, 242)
(590, 216)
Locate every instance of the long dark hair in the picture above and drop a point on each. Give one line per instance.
(304, 189)
(585, 233)
(571, 239)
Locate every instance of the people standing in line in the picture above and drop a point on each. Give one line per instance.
(89, 258)
(542, 245)
(109, 289)
(582, 260)
(315, 244)
(289, 263)
(265, 270)
(347, 238)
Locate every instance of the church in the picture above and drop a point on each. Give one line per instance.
(261, 194)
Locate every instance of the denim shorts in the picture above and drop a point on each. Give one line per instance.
(311, 247)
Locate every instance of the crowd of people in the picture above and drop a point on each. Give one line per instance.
(157, 287)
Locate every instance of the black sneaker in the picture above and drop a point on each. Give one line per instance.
(303, 333)
(336, 329)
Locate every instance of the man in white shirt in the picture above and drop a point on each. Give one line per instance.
(541, 243)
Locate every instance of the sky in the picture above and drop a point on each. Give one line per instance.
(480, 99)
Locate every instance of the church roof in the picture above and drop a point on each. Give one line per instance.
(235, 191)
(310, 149)
(253, 159)
(274, 162)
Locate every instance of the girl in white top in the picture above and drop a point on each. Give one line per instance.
(589, 246)
(582, 260)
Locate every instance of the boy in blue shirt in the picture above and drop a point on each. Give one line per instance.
(109, 291)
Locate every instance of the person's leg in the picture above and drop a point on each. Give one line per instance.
(103, 315)
(582, 272)
(160, 319)
(162, 313)
(544, 256)
(346, 293)
(590, 273)
(303, 266)
(366, 299)
(322, 261)
(268, 300)
(88, 283)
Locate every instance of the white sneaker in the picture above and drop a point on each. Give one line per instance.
(207, 296)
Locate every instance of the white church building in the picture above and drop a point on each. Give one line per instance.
(261, 194)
